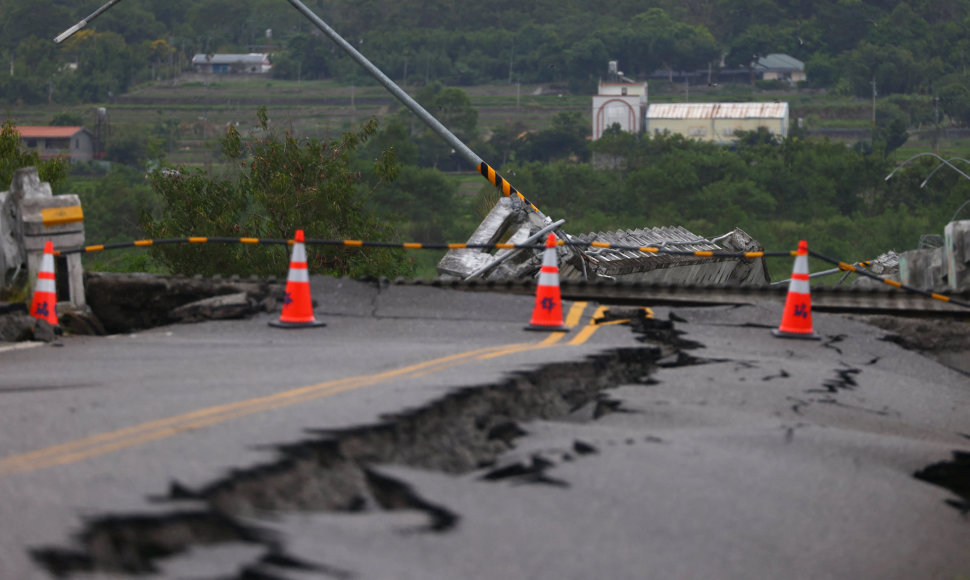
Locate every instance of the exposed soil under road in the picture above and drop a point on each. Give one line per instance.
(945, 340)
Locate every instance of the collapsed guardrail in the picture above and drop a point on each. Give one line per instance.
(586, 245)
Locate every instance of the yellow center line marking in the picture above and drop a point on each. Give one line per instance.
(550, 340)
(116, 440)
(575, 314)
(573, 317)
(126, 437)
(589, 329)
(494, 351)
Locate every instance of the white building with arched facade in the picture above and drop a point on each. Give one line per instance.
(621, 103)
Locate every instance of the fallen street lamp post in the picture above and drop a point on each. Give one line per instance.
(946, 162)
(937, 168)
(470, 156)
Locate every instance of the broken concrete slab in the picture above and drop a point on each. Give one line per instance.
(956, 237)
(924, 269)
(510, 220)
(124, 302)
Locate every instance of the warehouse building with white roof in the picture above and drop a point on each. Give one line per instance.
(717, 122)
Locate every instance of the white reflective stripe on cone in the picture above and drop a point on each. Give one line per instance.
(45, 285)
(799, 287)
(299, 253)
(548, 279)
(298, 275)
(549, 258)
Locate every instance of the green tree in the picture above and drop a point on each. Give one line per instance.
(423, 201)
(33, 67)
(499, 147)
(282, 184)
(892, 127)
(131, 146)
(755, 42)
(105, 67)
(14, 157)
(738, 16)
(113, 203)
(40, 19)
(305, 57)
(135, 23)
(67, 120)
(452, 107)
(653, 40)
(955, 98)
(585, 59)
(565, 139)
(895, 69)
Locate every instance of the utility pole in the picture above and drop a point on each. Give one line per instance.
(511, 61)
(873, 132)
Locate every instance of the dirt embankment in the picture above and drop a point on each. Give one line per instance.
(945, 340)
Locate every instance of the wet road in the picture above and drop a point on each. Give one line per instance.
(423, 434)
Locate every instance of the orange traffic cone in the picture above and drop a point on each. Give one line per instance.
(547, 314)
(796, 320)
(297, 304)
(44, 305)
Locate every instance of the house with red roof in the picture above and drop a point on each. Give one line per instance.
(74, 143)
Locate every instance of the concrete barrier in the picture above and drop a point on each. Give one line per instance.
(57, 218)
(956, 236)
(924, 269)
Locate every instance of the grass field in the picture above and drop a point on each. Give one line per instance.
(203, 106)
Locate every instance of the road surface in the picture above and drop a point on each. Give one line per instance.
(424, 434)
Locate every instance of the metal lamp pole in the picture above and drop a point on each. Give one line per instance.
(470, 156)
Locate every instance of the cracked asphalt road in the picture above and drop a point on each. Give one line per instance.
(460, 446)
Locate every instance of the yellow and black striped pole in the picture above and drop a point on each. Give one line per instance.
(506, 246)
(504, 186)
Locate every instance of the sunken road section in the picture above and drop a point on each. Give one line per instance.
(334, 470)
(466, 431)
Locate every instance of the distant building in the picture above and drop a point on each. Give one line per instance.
(621, 103)
(718, 122)
(779, 67)
(252, 63)
(75, 143)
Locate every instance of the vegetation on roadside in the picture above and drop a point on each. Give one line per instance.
(14, 157)
(912, 55)
(903, 46)
(280, 184)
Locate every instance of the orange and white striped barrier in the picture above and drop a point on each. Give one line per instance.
(796, 319)
(297, 303)
(547, 313)
(44, 303)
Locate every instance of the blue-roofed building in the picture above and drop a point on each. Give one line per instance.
(779, 67)
(252, 63)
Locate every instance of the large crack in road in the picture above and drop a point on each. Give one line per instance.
(474, 429)
(465, 430)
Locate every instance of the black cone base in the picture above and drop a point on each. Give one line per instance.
(802, 335)
(539, 327)
(311, 324)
